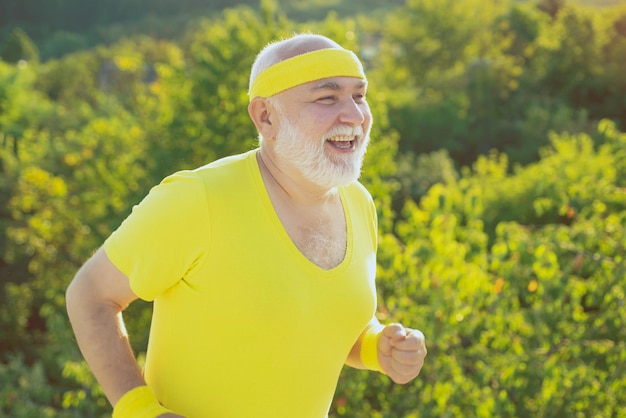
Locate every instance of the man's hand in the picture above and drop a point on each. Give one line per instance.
(401, 352)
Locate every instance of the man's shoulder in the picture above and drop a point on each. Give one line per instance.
(234, 172)
(231, 161)
(356, 188)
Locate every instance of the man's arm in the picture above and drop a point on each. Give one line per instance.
(400, 351)
(95, 300)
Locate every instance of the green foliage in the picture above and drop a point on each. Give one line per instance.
(474, 76)
(497, 162)
(416, 174)
(208, 94)
(18, 47)
(551, 7)
(525, 323)
(25, 390)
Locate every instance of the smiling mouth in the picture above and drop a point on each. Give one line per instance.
(343, 143)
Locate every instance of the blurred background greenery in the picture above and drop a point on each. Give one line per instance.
(498, 164)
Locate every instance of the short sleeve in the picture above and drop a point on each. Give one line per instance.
(164, 237)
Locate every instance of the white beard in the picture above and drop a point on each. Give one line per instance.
(309, 158)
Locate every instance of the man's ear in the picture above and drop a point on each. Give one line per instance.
(262, 115)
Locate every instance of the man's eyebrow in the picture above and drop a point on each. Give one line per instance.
(333, 85)
(324, 85)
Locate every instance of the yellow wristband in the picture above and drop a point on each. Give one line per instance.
(139, 402)
(369, 348)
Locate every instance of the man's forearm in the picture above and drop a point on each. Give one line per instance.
(103, 342)
(101, 336)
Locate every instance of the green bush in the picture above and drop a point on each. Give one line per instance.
(504, 244)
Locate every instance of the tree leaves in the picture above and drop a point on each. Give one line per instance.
(514, 272)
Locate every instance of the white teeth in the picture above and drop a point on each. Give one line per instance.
(341, 138)
(342, 144)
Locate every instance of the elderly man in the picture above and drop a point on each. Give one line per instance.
(261, 265)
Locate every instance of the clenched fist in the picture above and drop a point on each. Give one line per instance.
(401, 352)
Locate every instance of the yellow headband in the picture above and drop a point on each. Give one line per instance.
(304, 68)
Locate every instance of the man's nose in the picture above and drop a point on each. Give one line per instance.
(352, 113)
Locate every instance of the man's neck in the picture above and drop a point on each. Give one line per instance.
(289, 185)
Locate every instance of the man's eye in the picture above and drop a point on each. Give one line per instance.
(359, 98)
(326, 99)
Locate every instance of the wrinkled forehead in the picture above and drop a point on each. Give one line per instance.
(305, 68)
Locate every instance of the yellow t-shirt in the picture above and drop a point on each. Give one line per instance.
(244, 325)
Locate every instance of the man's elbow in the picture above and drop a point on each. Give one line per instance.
(75, 293)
